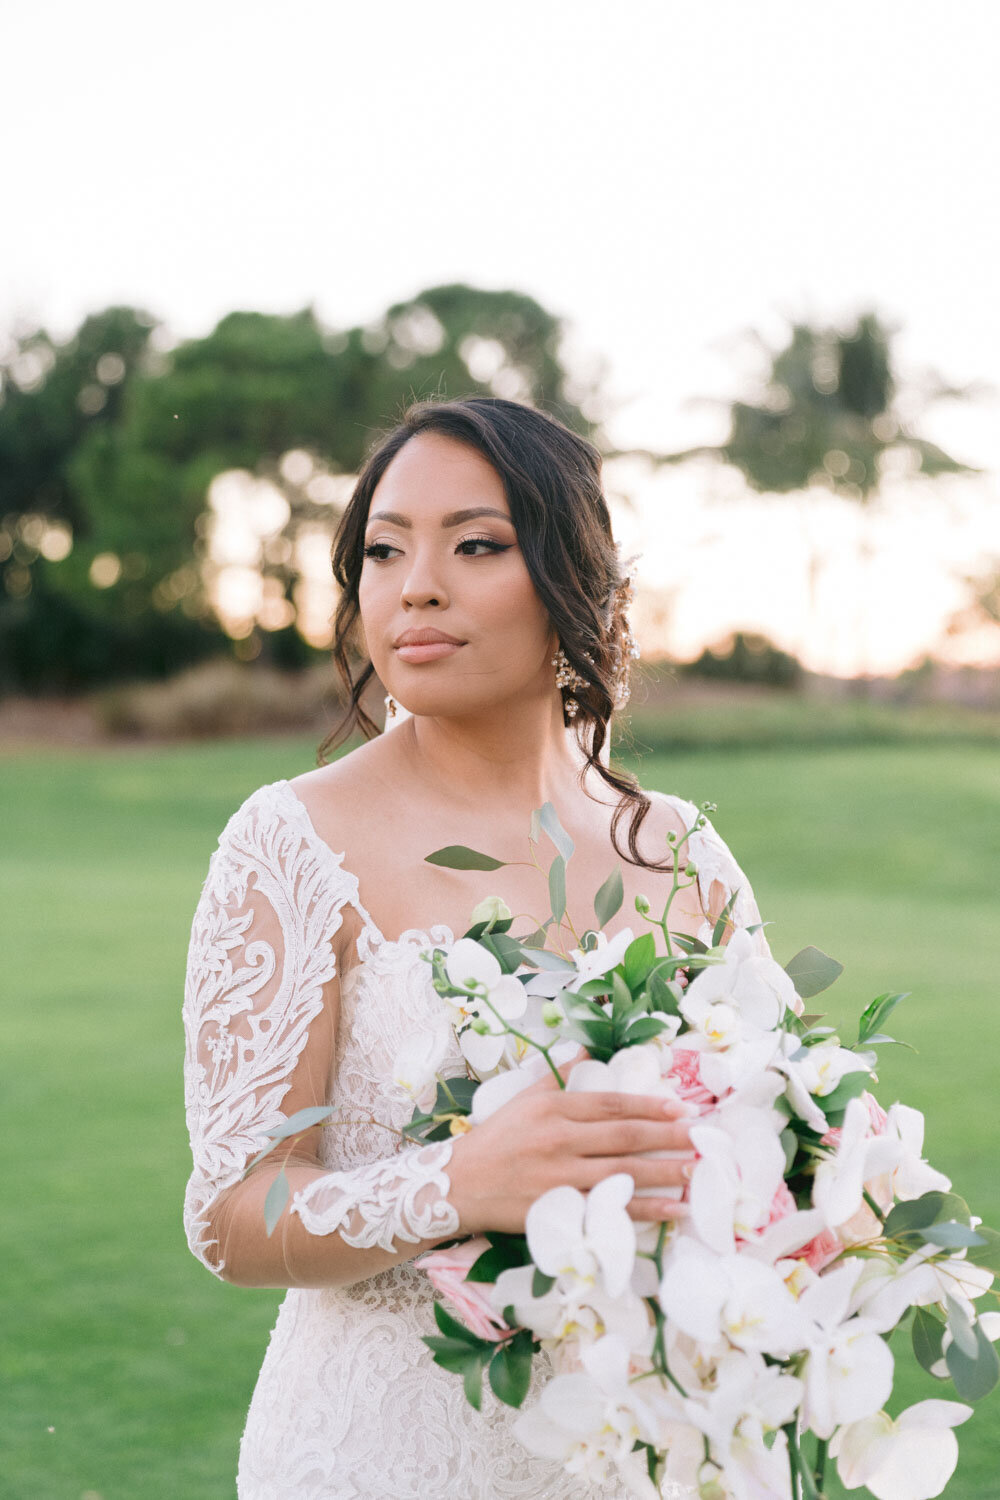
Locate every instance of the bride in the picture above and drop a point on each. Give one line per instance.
(479, 577)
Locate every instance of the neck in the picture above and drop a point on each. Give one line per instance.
(514, 757)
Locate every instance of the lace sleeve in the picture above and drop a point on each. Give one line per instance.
(260, 1011)
(715, 864)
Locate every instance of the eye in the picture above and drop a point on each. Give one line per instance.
(379, 551)
(482, 541)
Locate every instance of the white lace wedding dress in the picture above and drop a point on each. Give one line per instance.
(348, 1404)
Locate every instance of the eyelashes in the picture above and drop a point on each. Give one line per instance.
(379, 551)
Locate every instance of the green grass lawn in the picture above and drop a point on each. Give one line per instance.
(127, 1367)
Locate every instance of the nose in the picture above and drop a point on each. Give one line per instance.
(421, 586)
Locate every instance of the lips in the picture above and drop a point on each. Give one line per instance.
(425, 637)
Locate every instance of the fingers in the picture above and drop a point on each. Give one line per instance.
(645, 1171)
(630, 1137)
(613, 1106)
(656, 1210)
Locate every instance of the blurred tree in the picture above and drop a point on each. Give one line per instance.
(829, 416)
(108, 449)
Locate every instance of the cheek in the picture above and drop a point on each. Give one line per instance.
(512, 607)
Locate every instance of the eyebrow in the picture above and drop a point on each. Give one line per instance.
(453, 518)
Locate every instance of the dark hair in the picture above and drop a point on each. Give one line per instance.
(552, 480)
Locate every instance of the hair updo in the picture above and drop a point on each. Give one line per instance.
(552, 480)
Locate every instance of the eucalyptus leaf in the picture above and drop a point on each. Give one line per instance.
(950, 1235)
(542, 958)
(929, 1208)
(540, 1283)
(534, 827)
(812, 971)
(459, 857)
(549, 819)
(277, 1197)
(988, 1254)
(927, 1333)
(301, 1120)
(975, 1373)
(557, 887)
(961, 1328)
(609, 898)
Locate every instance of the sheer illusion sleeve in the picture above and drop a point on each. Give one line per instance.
(260, 1015)
(718, 877)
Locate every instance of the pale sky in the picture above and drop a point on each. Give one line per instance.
(662, 176)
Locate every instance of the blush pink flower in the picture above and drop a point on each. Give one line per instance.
(447, 1271)
(819, 1252)
(686, 1072)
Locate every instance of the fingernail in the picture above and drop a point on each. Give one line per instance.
(690, 1110)
(687, 1171)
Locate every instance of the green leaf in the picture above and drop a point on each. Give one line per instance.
(849, 1087)
(976, 1374)
(961, 1328)
(661, 995)
(553, 962)
(929, 1208)
(875, 1015)
(534, 827)
(951, 1236)
(718, 931)
(473, 1382)
(609, 898)
(458, 857)
(987, 1254)
(535, 939)
(507, 1252)
(927, 1333)
(453, 1329)
(621, 996)
(549, 819)
(540, 1283)
(277, 1197)
(640, 956)
(557, 887)
(301, 1120)
(790, 1144)
(510, 1369)
(643, 1030)
(811, 971)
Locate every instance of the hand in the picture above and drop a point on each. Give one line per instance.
(545, 1137)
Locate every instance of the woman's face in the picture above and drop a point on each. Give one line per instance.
(441, 557)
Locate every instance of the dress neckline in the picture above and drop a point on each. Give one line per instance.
(408, 936)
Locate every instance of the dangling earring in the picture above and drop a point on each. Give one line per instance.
(567, 677)
(390, 706)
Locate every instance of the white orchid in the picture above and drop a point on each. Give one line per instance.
(817, 1071)
(577, 1237)
(719, 1298)
(587, 964)
(591, 1420)
(838, 1189)
(495, 1092)
(418, 1063)
(911, 1458)
(741, 1167)
(571, 1311)
(757, 988)
(492, 997)
(849, 1366)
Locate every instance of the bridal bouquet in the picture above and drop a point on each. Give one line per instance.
(704, 1353)
(736, 1350)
